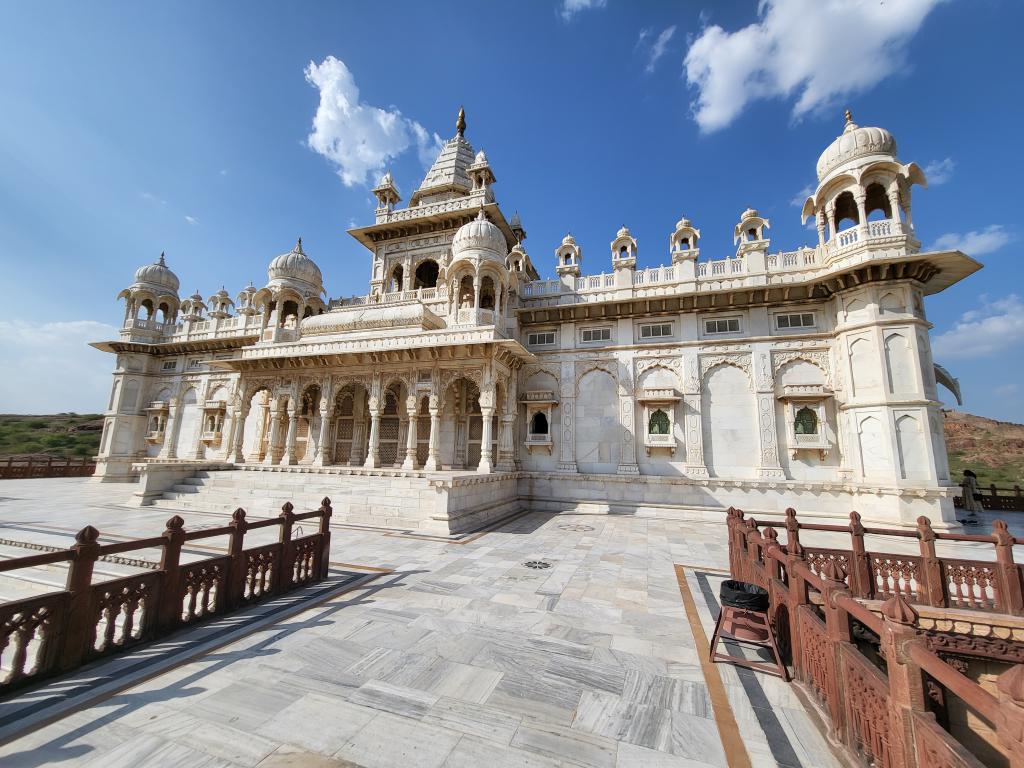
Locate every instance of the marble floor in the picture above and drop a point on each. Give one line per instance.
(460, 654)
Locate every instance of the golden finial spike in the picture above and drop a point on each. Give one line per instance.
(849, 116)
(460, 124)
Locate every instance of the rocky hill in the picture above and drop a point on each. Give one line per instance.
(993, 449)
(62, 434)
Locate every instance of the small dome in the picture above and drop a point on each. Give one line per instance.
(387, 180)
(684, 223)
(480, 158)
(750, 213)
(568, 240)
(158, 275)
(624, 232)
(855, 143)
(296, 265)
(479, 234)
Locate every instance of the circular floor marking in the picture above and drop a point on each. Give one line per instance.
(576, 527)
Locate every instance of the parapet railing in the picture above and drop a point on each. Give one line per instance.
(51, 466)
(877, 708)
(999, 499)
(925, 578)
(56, 632)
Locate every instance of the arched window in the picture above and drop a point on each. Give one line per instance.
(466, 292)
(877, 202)
(148, 306)
(487, 293)
(567, 258)
(658, 423)
(426, 274)
(396, 279)
(684, 243)
(752, 234)
(164, 311)
(846, 211)
(623, 252)
(539, 424)
(806, 422)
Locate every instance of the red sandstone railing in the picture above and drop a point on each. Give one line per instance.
(877, 709)
(999, 499)
(49, 467)
(56, 632)
(925, 578)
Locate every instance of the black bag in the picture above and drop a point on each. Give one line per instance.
(740, 594)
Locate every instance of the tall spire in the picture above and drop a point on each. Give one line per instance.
(162, 263)
(460, 124)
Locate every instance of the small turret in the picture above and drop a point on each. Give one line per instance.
(569, 256)
(623, 250)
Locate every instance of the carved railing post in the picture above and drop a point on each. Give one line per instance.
(793, 533)
(906, 686)
(325, 538)
(1010, 598)
(283, 577)
(837, 629)
(1010, 731)
(236, 550)
(861, 583)
(169, 613)
(80, 627)
(931, 584)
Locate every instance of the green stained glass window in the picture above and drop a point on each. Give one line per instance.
(806, 422)
(658, 423)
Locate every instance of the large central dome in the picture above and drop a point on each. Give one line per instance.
(479, 234)
(296, 265)
(157, 275)
(855, 143)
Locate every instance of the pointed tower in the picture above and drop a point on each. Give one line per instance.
(449, 176)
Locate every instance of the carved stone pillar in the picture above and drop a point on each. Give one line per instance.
(894, 210)
(373, 450)
(168, 451)
(862, 216)
(410, 436)
(506, 443)
(272, 435)
(289, 444)
(567, 408)
(432, 464)
(819, 219)
(403, 427)
(323, 451)
(486, 437)
(237, 452)
(693, 426)
(357, 451)
(764, 384)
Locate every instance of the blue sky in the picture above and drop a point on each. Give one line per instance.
(133, 128)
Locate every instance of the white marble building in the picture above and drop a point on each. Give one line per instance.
(462, 387)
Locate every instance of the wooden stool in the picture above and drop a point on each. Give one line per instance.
(744, 619)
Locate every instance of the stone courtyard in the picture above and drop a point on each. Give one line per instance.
(548, 639)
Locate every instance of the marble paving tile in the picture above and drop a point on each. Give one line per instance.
(388, 741)
(245, 704)
(318, 723)
(396, 699)
(561, 743)
(149, 749)
(477, 753)
(632, 756)
(536, 696)
(477, 720)
(288, 756)
(611, 716)
(696, 738)
(668, 693)
(461, 681)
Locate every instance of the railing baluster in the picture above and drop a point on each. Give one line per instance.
(1009, 597)
(168, 613)
(324, 562)
(861, 582)
(286, 565)
(237, 570)
(932, 583)
(80, 627)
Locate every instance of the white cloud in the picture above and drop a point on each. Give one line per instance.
(975, 242)
(801, 197)
(65, 373)
(816, 50)
(570, 8)
(192, 220)
(658, 48)
(150, 197)
(992, 329)
(939, 171)
(357, 137)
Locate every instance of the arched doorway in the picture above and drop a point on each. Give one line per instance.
(344, 423)
(257, 425)
(306, 432)
(422, 431)
(426, 274)
(389, 429)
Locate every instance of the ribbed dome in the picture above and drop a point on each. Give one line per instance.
(159, 275)
(854, 143)
(624, 232)
(568, 240)
(295, 265)
(479, 234)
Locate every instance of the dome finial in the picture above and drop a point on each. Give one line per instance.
(161, 262)
(298, 245)
(849, 116)
(460, 123)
